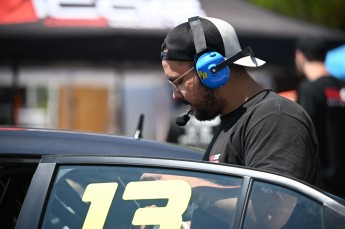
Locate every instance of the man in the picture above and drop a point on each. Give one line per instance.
(205, 64)
(258, 128)
(321, 96)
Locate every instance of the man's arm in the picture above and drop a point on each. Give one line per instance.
(220, 201)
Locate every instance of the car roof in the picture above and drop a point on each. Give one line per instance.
(37, 142)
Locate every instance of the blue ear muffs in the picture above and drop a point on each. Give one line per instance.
(206, 60)
(204, 65)
(212, 68)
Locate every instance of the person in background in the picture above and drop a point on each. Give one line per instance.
(322, 96)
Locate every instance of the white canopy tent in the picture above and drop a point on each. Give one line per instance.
(134, 30)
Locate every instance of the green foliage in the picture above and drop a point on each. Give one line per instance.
(328, 13)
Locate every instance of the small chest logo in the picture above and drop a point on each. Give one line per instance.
(215, 158)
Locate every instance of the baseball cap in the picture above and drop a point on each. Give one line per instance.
(220, 36)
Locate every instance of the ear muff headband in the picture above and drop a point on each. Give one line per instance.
(206, 59)
(245, 52)
(198, 34)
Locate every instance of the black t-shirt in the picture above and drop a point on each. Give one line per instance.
(324, 102)
(271, 133)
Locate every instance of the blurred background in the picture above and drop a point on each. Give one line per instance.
(94, 65)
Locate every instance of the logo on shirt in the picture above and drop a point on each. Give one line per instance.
(335, 97)
(215, 158)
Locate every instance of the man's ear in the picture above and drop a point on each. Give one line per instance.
(299, 55)
(299, 58)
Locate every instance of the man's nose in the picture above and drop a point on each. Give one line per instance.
(177, 94)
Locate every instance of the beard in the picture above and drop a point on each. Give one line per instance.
(209, 107)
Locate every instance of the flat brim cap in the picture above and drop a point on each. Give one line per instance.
(220, 36)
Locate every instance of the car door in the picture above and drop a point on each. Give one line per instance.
(109, 192)
(130, 192)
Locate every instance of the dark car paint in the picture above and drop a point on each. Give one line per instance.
(36, 142)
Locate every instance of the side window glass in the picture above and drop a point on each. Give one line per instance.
(130, 197)
(272, 206)
(333, 219)
(14, 183)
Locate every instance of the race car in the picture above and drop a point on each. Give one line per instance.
(69, 179)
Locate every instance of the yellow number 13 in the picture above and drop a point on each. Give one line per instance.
(178, 193)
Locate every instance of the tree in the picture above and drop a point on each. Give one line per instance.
(329, 13)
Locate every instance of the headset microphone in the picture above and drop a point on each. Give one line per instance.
(183, 119)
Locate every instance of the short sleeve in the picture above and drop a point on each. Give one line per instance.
(280, 143)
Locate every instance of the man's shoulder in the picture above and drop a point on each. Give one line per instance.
(269, 107)
(329, 81)
(274, 104)
(321, 82)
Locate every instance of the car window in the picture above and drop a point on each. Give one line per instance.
(272, 206)
(333, 219)
(128, 197)
(14, 183)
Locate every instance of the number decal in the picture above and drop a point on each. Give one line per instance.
(100, 195)
(178, 193)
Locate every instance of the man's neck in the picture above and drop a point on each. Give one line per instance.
(315, 70)
(242, 88)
